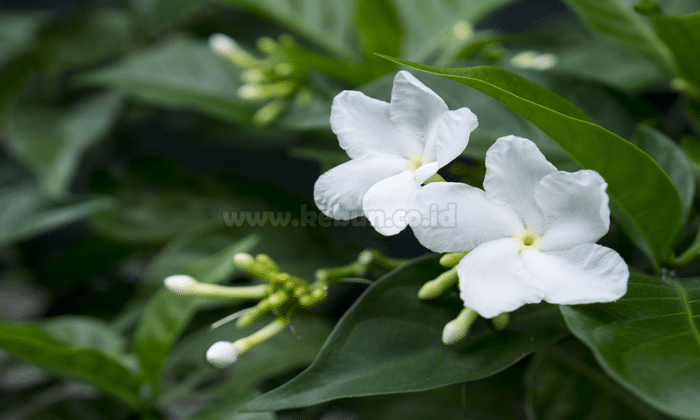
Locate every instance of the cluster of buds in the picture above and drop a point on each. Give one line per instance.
(282, 294)
(457, 329)
(272, 80)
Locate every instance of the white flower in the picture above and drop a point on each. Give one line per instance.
(531, 232)
(394, 148)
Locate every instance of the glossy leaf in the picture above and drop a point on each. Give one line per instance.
(188, 373)
(50, 141)
(26, 211)
(390, 342)
(84, 359)
(327, 23)
(436, 26)
(182, 75)
(616, 20)
(681, 34)
(648, 341)
(591, 146)
(564, 382)
(672, 160)
(378, 27)
(18, 32)
(166, 315)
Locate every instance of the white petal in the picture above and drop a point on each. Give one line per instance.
(414, 107)
(385, 203)
(449, 136)
(338, 193)
(575, 208)
(426, 171)
(514, 167)
(456, 217)
(363, 126)
(492, 279)
(586, 273)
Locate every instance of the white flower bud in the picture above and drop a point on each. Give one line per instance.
(181, 284)
(222, 354)
(222, 44)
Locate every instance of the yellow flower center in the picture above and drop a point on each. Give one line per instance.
(528, 240)
(413, 163)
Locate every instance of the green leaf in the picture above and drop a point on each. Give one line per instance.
(182, 75)
(166, 315)
(378, 27)
(617, 21)
(188, 373)
(82, 331)
(158, 15)
(390, 342)
(622, 164)
(326, 23)
(435, 26)
(565, 382)
(85, 39)
(90, 358)
(50, 141)
(648, 341)
(672, 160)
(18, 32)
(25, 211)
(681, 34)
(691, 148)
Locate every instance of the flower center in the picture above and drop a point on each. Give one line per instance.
(528, 240)
(413, 163)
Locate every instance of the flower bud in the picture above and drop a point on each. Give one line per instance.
(451, 259)
(457, 329)
(222, 354)
(436, 288)
(500, 322)
(181, 284)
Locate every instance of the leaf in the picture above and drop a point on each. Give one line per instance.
(188, 373)
(82, 331)
(378, 27)
(82, 360)
(50, 141)
(181, 75)
(621, 164)
(326, 23)
(681, 34)
(564, 382)
(85, 39)
(671, 159)
(166, 315)
(18, 32)
(648, 341)
(617, 21)
(434, 26)
(390, 342)
(25, 211)
(158, 15)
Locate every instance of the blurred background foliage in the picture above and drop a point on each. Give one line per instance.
(126, 138)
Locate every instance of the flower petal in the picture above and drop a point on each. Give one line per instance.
(492, 279)
(575, 208)
(586, 273)
(514, 167)
(454, 217)
(425, 172)
(449, 136)
(385, 203)
(363, 126)
(338, 193)
(414, 106)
